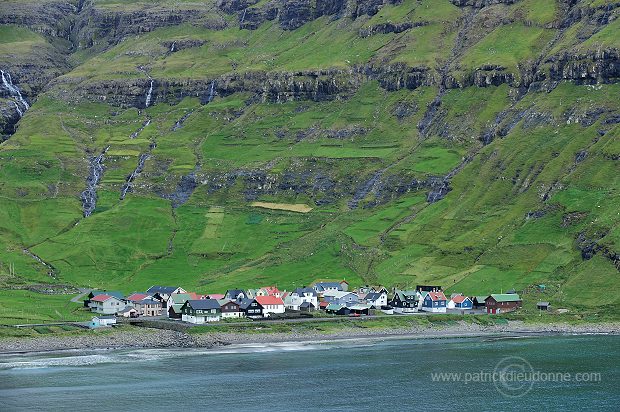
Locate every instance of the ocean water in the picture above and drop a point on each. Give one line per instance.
(574, 373)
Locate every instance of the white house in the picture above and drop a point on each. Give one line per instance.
(106, 304)
(295, 299)
(376, 299)
(102, 321)
(270, 305)
(201, 311)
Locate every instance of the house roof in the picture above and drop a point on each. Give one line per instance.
(245, 303)
(542, 304)
(269, 300)
(406, 294)
(302, 291)
(223, 302)
(459, 299)
(373, 296)
(338, 294)
(505, 297)
(136, 296)
(306, 305)
(203, 304)
(167, 290)
(437, 296)
(321, 286)
(176, 307)
(233, 293)
(115, 293)
(334, 306)
(270, 290)
(481, 298)
(183, 297)
(359, 307)
(323, 304)
(105, 317)
(215, 296)
(102, 298)
(127, 309)
(149, 301)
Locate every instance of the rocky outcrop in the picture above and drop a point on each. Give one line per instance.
(490, 75)
(595, 66)
(174, 46)
(481, 3)
(102, 26)
(51, 18)
(389, 27)
(292, 14)
(316, 85)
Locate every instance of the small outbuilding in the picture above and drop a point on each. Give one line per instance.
(543, 306)
(336, 309)
(102, 321)
(307, 307)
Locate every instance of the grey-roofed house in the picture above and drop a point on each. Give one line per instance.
(307, 307)
(341, 298)
(296, 298)
(162, 293)
(322, 287)
(201, 311)
(149, 307)
(376, 299)
(235, 294)
(251, 308)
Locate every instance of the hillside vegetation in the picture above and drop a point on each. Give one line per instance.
(473, 144)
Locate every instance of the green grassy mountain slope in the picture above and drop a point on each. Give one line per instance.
(472, 144)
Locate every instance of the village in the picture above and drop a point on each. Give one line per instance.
(328, 298)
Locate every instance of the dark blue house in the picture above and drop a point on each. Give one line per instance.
(434, 302)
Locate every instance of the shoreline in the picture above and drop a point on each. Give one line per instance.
(146, 338)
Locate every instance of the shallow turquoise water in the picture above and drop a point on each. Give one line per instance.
(386, 375)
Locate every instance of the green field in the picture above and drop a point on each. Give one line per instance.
(359, 117)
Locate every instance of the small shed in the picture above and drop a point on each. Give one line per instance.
(336, 309)
(543, 306)
(128, 312)
(102, 321)
(306, 307)
(360, 309)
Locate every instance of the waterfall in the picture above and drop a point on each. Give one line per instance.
(137, 132)
(134, 174)
(243, 17)
(14, 92)
(89, 196)
(19, 110)
(212, 91)
(149, 94)
(174, 43)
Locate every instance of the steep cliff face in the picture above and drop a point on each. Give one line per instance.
(466, 138)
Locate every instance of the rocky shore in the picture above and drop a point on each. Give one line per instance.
(157, 338)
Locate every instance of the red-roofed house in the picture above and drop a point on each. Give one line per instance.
(269, 291)
(136, 297)
(434, 302)
(460, 302)
(106, 304)
(216, 296)
(270, 304)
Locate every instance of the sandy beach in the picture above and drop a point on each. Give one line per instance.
(157, 338)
